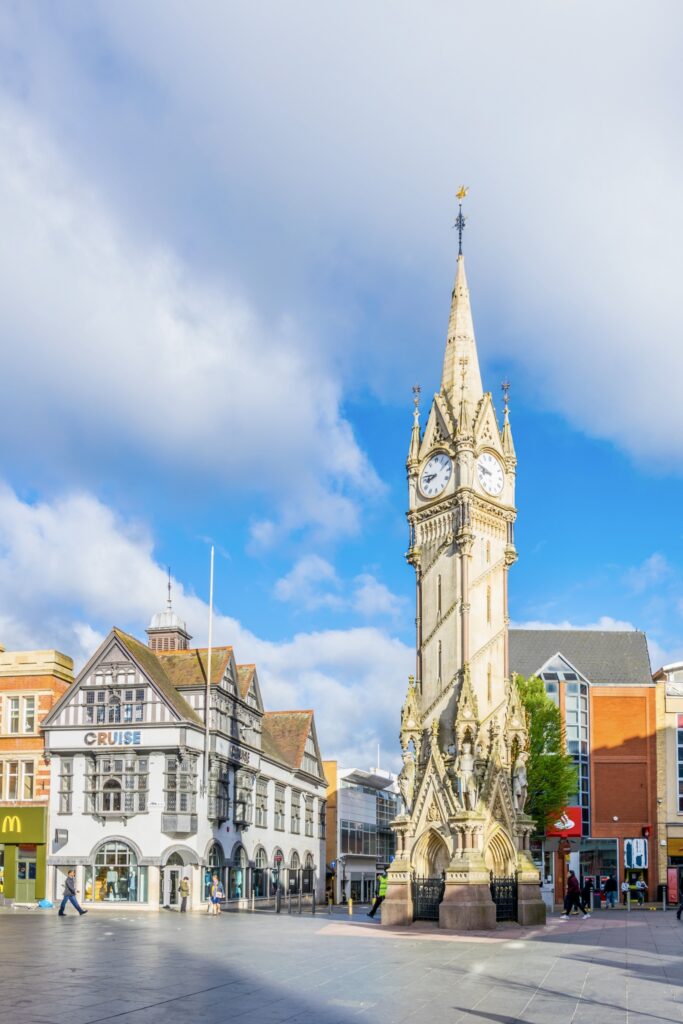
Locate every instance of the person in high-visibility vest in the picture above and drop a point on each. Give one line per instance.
(382, 883)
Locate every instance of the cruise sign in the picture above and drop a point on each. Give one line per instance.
(113, 738)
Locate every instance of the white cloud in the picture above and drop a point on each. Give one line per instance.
(605, 622)
(313, 583)
(374, 598)
(114, 347)
(72, 568)
(654, 571)
(302, 585)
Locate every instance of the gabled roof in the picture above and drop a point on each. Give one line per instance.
(604, 657)
(245, 677)
(284, 736)
(188, 668)
(152, 667)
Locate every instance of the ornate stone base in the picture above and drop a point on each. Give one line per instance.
(531, 910)
(467, 908)
(397, 908)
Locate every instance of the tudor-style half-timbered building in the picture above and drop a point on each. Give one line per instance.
(136, 806)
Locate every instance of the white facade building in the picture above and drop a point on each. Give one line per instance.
(135, 804)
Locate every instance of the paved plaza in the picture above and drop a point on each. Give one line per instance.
(152, 968)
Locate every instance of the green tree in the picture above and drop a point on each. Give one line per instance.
(552, 775)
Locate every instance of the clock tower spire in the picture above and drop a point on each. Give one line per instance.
(463, 730)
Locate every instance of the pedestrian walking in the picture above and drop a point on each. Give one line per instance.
(587, 892)
(184, 890)
(382, 883)
(70, 895)
(641, 891)
(216, 894)
(625, 890)
(573, 898)
(680, 904)
(610, 892)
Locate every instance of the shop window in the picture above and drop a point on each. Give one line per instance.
(214, 866)
(66, 785)
(308, 815)
(308, 874)
(359, 837)
(296, 812)
(259, 884)
(261, 819)
(280, 808)
(115, 875)
(116, 785)
(237, 875)
(180, 782)
(294, 879)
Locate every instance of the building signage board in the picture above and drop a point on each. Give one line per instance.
(635, 853)
(23, 824)
(113, 738)
(567, 823)
(235, 752)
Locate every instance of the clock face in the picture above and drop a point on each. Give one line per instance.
(435, 475)
(490, 473)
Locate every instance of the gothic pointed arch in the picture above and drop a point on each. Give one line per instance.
(430, 856)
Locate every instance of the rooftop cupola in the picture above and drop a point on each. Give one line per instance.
(167, 631)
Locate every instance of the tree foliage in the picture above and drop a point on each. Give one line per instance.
(552, 774)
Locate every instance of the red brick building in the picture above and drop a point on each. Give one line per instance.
(30, 683)
(603, 686)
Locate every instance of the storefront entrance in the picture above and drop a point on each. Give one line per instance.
(26, 875)
(170, 882)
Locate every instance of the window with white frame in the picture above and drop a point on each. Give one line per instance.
(17, 780)
(116, 784)
(105, 706)
(296, 812)
(310, 762)
(13, 713)
(280, 808)
(66, 785)
(308, 815)
(261, 819)
(29, 716)
(181, 784)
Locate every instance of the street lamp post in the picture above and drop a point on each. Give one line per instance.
(343, 866)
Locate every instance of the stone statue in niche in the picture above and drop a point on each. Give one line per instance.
(465, 773)
(519, 781)
(406, 780)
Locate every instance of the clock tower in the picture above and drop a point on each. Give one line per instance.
(463, 728)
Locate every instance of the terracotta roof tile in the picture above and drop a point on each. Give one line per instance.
(245, 675)
(284, 735)
(188, 668)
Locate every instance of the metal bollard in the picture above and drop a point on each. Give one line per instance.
(350, 906)
(664, 898)
(313, 906)
(329, 905)
(299, 900)
(277, 900)
(289, 902)
(628, 901)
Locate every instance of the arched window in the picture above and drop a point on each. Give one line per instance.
(308, 874)
(116, 875)
(214, 866)
(259, 883)
(111, 796)
(237, 875)
(294, 876)
(277, 877)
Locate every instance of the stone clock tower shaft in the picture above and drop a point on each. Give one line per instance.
(463, 728)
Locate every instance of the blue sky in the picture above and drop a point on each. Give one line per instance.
(227, 255)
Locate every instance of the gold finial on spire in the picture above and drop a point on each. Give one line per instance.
(460, 219)
(168, 602)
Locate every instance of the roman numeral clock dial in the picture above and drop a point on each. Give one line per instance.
(435, 475)
(490, 474)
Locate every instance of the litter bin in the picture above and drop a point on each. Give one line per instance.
(596, 901)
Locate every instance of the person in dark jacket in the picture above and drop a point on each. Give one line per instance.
(573, 898)
(587, 892)
(70, 895)
(610, 892)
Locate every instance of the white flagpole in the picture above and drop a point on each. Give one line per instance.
(207, 700)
